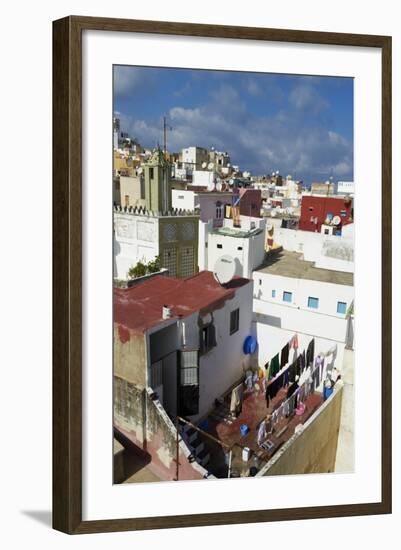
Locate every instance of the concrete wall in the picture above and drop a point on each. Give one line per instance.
(312, 450)
(145, 423)
(135, 238)
(329, 252)
(329, 294)
(132, 188)
(130, 357)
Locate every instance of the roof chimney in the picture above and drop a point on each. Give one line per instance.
(166, 312)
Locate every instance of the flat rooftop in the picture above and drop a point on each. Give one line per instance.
(140, 307)
(291, 264)
(239, 233)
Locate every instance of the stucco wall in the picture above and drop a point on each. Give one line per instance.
(135, 238)
(145, 423)
(314, 449)
(129, 353)
(329, 294)
(331, 252)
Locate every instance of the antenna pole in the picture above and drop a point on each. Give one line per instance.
(164, 136)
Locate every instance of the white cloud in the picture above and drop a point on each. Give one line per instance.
(282, 141)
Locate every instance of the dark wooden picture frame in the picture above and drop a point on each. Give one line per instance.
(67, 274)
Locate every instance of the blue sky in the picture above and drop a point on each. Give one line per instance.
(300, 125)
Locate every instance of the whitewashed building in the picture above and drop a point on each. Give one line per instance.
(346, 188)
(140, 235)
(245, 244)
(291, 295)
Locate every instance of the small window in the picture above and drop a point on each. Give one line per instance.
(151, 175)
(313, 302)
(310, 209)
(208, 338)
(206, 245)
(260, 281)
(219, 246)
(287, 296)
(239, 247)
(343, 213)
(341, 308)
(326, 232)
(126, 200)
(234, 321)
(274, 294)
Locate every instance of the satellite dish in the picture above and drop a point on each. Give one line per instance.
(218, 186)
(224, 269)
(204, 164)
(336, 220)
(210, 166)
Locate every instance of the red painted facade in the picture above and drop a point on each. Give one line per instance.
(315, 210)
(250, 202)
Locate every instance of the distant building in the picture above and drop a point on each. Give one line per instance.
(316, 210)
(249, 201)
(204, 178)
(346, 188)
(325, 189)
(193, 158)
(132, 191)
(210, 204)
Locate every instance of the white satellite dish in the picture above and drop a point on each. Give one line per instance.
(204, 164)
(224, 269)
(218, 186)
(210, 166)
(336, 220)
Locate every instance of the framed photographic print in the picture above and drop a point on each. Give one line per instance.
(222, 274)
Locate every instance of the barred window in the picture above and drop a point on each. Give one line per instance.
(189, 371)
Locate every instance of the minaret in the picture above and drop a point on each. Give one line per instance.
(157, 184)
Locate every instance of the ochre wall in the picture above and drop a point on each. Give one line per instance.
(314, 450)
(129, 355)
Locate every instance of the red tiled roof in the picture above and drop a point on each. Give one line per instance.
(140, 307)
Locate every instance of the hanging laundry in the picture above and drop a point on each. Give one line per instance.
(236, 399)
(284, 356)
(261, 432)
(298, 366)
(310, 353)
(274, 366)
(319, 363)
(267, 370)
(303, 361)
(292, 372)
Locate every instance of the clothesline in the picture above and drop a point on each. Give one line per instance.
(293, 402)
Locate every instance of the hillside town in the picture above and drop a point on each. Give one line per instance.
(233, 318)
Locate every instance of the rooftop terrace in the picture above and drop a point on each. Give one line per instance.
(291, 264)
